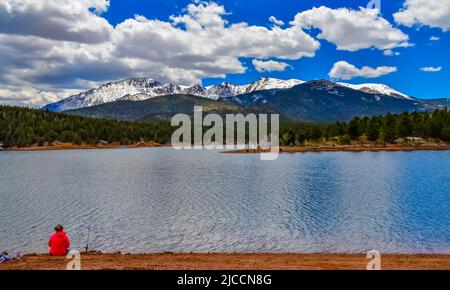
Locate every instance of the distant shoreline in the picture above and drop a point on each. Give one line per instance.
(222, 261)
(70, 146)
(341, 148)
(283, 149)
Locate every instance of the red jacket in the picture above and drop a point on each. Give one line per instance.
(59, 244)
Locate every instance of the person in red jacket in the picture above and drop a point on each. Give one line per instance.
(59, 243)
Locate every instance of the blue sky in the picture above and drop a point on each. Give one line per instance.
(103, 40)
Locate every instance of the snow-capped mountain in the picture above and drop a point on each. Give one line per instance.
(138, 89)
(224, 90)
(228, 90)
(313, 101)
(270, 83)
(129, 89)
(377, 89)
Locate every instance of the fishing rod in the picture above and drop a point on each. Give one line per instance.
(87, 240)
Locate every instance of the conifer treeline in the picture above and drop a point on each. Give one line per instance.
(387, 129)
(26, 127)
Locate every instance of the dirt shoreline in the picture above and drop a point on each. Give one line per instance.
(70, 146)
(218, 261)
(283, 149)
(339, 148)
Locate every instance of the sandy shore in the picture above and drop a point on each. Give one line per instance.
(340, 148)
(98, 261)
(293, 149)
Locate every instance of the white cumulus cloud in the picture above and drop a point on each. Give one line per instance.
(30, 96)
(389, 52)
(431, 69)
(433, 13)
(346, 71)
(352, 30)
(269, 66)
(55, 46)
(59, 20)
(276, 21)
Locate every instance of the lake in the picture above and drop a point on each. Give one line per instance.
(162, 200)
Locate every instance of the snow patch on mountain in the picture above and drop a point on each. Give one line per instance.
(224, 90)
(377, 89)
(270, 84)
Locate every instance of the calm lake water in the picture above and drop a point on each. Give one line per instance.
(156, 200)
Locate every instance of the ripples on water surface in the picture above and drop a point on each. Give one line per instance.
(155, 200)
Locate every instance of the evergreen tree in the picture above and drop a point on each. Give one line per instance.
(354, 131)
(445, 134)
(404, 126)
(373, 129)
(389, 132)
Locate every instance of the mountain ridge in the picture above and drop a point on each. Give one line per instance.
(138, 89)
(163, 108)
(313, 101)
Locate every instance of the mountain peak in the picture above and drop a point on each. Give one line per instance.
(321, 84)
(272, 83)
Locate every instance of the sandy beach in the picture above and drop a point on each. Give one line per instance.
(167, 261)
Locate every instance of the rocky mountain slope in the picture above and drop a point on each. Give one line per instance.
(316, 101)
(138, 89)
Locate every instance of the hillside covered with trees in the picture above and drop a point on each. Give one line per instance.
(383, 129)
(22, 127)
